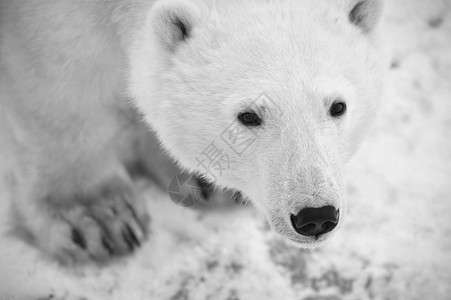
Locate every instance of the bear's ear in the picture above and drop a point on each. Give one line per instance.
(173, 21)
(365, 14)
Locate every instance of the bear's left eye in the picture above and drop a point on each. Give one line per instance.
(338, 109)
(250, 119)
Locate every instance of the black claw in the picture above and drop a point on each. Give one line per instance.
(126, 235)
(108, 245)
(78, 238)
(134, 237)
(142, 223)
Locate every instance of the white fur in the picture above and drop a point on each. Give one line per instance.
(303, 55)
(65, 67)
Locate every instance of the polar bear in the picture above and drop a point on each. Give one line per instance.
(269, 98)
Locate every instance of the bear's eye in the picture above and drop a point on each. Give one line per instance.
(250, 119)
(338, 109)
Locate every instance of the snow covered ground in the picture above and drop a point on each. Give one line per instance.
(396, 243)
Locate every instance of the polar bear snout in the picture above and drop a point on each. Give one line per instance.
(312, 221)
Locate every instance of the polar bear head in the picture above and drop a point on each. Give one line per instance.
(267, 97)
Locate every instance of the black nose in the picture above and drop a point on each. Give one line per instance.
(315, 221)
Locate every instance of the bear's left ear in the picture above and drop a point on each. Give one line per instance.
(365, 14)
(173, 21)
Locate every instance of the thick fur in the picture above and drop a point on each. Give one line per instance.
(70, 68)
(301, 54)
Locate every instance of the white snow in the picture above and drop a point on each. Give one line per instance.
(396, 243)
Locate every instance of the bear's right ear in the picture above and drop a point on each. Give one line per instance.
(173, 21)
(365, 14)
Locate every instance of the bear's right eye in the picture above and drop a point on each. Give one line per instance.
(250, 119)
(338, 109)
